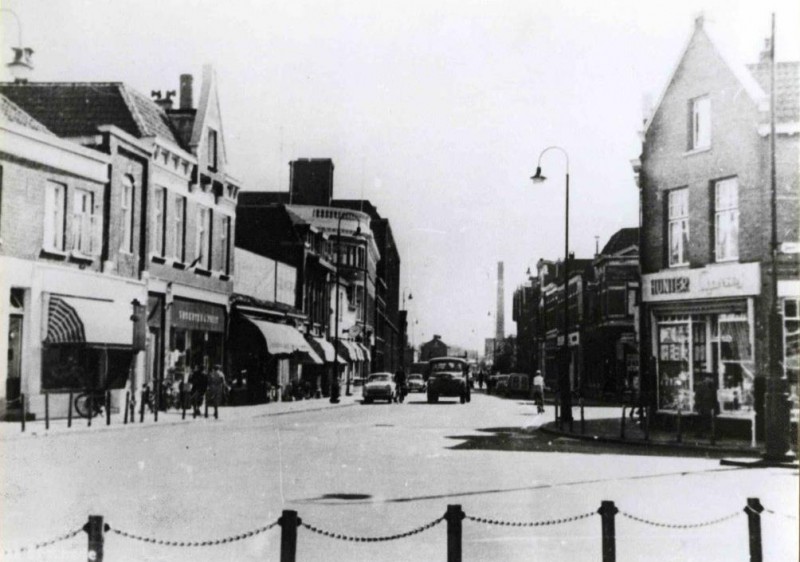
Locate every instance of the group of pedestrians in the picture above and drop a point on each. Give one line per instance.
(209, 386)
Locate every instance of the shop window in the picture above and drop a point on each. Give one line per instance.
(202, 238)
(791, 349)
(54, 201)
(213, 150)
(179, 227)
(737, 371)
(678, 227)
(225, 243)
(674, 374)
(80, 367)
(726, 220)
(159, 221)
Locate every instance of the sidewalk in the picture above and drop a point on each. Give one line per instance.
(604, 424)
(34, 429)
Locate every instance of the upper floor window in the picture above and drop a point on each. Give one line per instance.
(127, 214)
(179, 228)
(203, 237)
(159, 221)
(85, 224)
(678, 226)
(225, 236)
(701, 123)
(213, 150)
(54, 201)
(726, 219)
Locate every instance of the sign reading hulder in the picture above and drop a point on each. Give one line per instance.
(710, 282)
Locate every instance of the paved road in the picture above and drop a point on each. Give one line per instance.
(372, 470)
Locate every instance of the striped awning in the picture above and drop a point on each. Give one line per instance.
(282, 339)
(324, 349)
(78, 320)
(365, 352)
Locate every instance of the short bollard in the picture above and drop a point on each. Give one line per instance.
(556, 403)
(183, 402)
(22, 405)
(753, 511)
(127, 406)
(89, 409)
(205, 414)
(713, 427)
(289, 521)
(108, 407)
(646, 423)
(680, 428)
(622, 425)
(454, 516)
(96, 533)
(607, 513)
(47, 410)
(141, 408)
(583, 419)
(216, 411)
(571, 422)
(69, 410)
(156, 401)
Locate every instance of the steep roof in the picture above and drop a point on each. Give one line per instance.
(74, 109)
(622, 239)
(12, 113)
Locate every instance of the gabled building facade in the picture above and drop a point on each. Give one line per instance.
(704, 181)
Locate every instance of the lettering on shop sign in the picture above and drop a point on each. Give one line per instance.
(710, 283)
(200, 317)
(669, 286)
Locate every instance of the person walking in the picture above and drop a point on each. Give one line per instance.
(538, 392)
(217, 388)
(199, 381)
(400, 384)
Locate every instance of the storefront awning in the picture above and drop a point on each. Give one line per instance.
(324, 349)
(77, 320)
(356, 353)
(347, 351)
(365, 352)
(281, 339)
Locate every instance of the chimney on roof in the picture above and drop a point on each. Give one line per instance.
(165, 102)
(700, 20)
(187, 95)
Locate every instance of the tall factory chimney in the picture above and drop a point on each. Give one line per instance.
(500, 316)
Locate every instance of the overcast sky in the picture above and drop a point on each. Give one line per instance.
(435, 111)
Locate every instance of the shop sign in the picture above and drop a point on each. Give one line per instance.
(190, 315)
(715, 281)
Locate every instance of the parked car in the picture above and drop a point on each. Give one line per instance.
(500, 384)
(380, 386)
(415, 383)
(448, 376)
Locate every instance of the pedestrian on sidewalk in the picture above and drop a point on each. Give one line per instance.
(217, 389)
(199, 381)
(538, 392)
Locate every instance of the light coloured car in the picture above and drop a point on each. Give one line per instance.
(380, 386)
(415, 383)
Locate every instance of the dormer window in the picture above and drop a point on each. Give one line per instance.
(700, 136)
(213, 148)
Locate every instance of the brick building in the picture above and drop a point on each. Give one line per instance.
(433, 348)
(704, 181)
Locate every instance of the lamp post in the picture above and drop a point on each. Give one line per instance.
(564, 385)
(21, 67)
(405, 331)
(335, 379)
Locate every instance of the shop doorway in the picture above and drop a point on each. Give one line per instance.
(13, 382)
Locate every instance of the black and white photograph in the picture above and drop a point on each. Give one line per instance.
(408, 280)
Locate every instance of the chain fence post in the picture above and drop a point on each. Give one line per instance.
(680, 425)
(289, 522)
(183, 400)
(127, 407)
(454, 516)
(753, 511)
(69, 410)
(622, 424)
(108, 407)
(557, 401)
(47, 410)
(22, 405)
(96, 533)
(89, 408)
(143, 398)
(646, 422)
(205, 412)
(713, 426)
(583, 419)
(607, 512)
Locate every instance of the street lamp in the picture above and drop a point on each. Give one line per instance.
(335, 379)
(21, 67)
(564, 385)
(405, 331)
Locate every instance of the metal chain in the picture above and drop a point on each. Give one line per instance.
(215, 542)
(780, 514)
(531, 523)
(372, 539)
(683, 526)
(44, 544)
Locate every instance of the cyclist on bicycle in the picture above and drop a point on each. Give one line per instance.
(400, 383)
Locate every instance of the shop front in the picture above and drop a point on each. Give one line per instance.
(197, 336)
(703, 339)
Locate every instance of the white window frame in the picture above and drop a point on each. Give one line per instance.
(678, 225)
(225, 264)
(701, 123)
(202, 238)
(179, 226)
(213, 150)
(159, 237)
(726, 220)
(55, 197)
(85, 224)
(127, 215)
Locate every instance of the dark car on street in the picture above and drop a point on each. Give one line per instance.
(448, 377)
